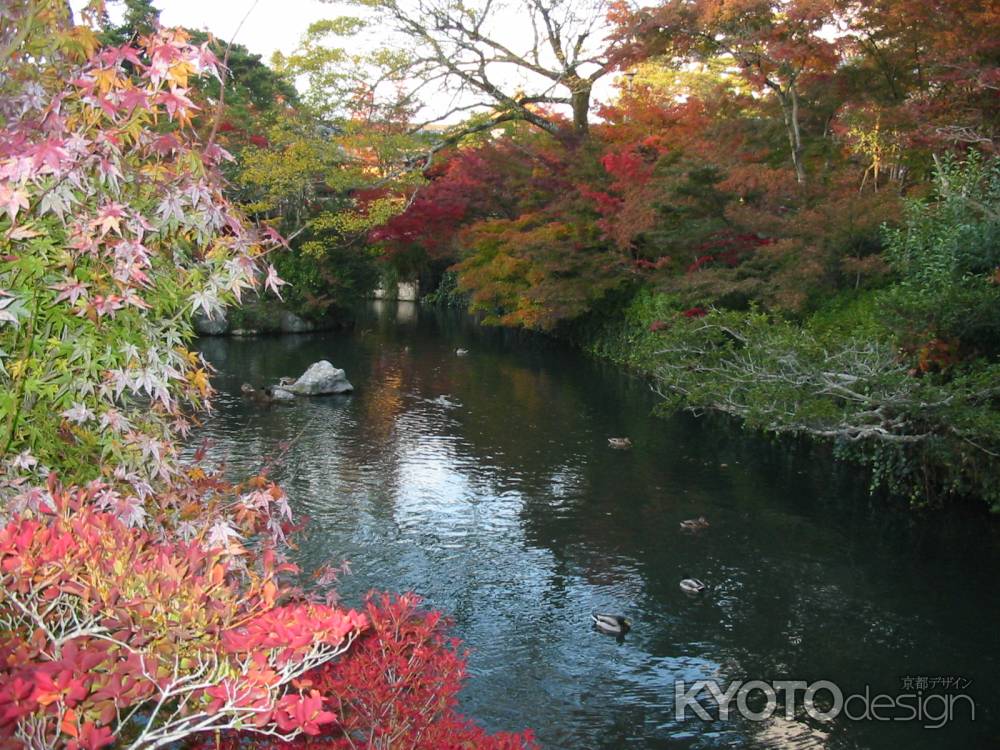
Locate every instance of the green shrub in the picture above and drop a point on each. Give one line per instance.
(948, 256)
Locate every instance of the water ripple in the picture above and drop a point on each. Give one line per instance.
(485, 484)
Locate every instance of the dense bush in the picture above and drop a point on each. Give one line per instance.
(903, 379)
(109, 634)
(947, 256)
(398, 689)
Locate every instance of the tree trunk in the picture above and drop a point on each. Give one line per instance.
(789, 99)
(580, 99)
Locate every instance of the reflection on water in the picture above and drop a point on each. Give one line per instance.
(485, 483)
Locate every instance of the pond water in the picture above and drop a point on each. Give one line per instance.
(485, 483)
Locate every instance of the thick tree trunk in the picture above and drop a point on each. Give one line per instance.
(580, 98)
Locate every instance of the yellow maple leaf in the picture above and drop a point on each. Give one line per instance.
(179, 73)
(199, 379)
(106, 79)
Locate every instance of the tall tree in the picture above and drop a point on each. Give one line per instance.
(138, 18)
(774, 43)
(514, 59)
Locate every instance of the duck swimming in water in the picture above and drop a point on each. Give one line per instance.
(610, 624)
(695, 524)
(693, 586)
(262, 396)
(622, 443)
(461, 352)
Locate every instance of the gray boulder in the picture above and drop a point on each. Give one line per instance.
(289, 322)
(280, 393)
(321, 378)
(214, 325)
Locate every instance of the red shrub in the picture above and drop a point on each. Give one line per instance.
(695, 312)
(396, 688)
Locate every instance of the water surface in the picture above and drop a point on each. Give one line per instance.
(485, 483)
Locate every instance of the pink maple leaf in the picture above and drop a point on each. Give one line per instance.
(275, 236)
(108, 305)
(175, 101)
(133, 98)
(114, 56)
(12, 200)
(273, 282)
(71, 290)
(166, 144)
(109, 107)
(49, 155)
(110, 217)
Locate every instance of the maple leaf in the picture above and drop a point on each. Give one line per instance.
(221, 534)
(176, 102)
(107, 305)
(166, 144)
(12, 200)
(131, 512)
(23, 232)
(48, 156)
(109, 218)
(275, 236)
(208, 62)
(71, 290)
(199, 379)
(107, 106)
(215, 154)
(114, 420)
(78, 413)
(134, 98)
(24, 460)
(171, 206)
(178, 73)
(115, 56)
(273, 282)
(207, 300)
(6, 300)
(57, 200)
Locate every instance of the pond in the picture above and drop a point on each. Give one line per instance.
(486, 484)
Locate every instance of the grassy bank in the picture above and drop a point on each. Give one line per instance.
(838, 376)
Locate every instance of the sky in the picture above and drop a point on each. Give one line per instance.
(267, 26)
(271, 24)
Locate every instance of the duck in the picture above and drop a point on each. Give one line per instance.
(610, 624)
(284, 381)
(262, 396)
(693, 586)
(695, 524)
(461, 352)
(622, 443)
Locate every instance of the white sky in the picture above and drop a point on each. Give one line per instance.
(273, 25)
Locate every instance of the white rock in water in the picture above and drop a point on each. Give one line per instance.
(279, 393)
(321, 378)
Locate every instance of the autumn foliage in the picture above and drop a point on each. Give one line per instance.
(398, 687)
(145, 601)
(751, 154)
(780, 172)
(112, 635)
